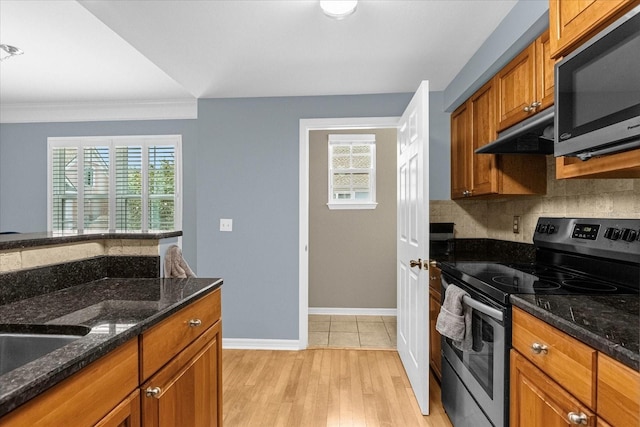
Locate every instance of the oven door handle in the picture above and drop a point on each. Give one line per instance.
(483, 308)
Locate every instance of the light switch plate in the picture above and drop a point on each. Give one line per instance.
(226, 224)
(516, 224)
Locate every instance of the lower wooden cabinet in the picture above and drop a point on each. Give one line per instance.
(557, 380)
(435, 344)
(178, 362)
(84, 398)
(536, 400)
(126, 414)
(187, 391)
(618, 392)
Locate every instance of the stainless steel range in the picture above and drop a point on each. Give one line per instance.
(580, 256)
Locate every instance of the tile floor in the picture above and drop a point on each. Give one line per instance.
(377, 332)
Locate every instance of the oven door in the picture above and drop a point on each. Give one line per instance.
(483, 371)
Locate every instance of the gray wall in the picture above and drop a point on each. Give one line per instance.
(352, 253)
(248, 171)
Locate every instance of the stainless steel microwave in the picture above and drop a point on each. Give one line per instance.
(597, 93)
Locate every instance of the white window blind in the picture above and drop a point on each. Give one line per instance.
(127, 184)
(352, 178)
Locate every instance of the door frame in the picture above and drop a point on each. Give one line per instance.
(306, 126)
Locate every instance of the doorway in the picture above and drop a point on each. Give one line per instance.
(306, 127)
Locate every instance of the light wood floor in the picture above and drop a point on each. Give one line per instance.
(322, 387)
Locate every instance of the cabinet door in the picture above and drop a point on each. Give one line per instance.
(483, 131)
(574, 21)
(460, 143)
(536, 400)
(618, 392)
(515, 84)
(621, 165)
(435, 346)
(187, 391)
(544, 71)
(126, 414)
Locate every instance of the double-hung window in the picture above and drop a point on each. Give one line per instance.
(119, 183)
(352, 171)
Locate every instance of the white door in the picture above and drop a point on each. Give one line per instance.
(413, 244)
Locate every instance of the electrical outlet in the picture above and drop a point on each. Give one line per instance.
(516, 224)
(226, 224)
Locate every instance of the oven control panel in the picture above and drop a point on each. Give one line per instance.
(604, 237)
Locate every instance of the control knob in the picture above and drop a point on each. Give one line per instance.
(612, 233)
(629, 235)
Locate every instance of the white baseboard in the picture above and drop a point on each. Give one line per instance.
(259, 344)
(353, 311)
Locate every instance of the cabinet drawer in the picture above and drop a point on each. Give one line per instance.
(618, 392)
(161, 343)
(569, 362)
(85, 397)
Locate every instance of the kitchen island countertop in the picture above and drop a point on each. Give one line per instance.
(116, 310)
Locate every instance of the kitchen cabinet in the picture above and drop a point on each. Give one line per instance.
(473, 125)
(86, 397)
(572, 22)
(170, 375)
(566, 360)
(621, 165)
(435, 346)
(556, 379)
(460, 152)
(186, 390)
(618, 392)
(126, 414)
(181, 367)
(525, 85)
(536, 400)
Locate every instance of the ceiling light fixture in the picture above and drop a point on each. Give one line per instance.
(7, 51)
(338, 9)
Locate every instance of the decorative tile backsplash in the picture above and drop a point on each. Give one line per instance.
(607, 198)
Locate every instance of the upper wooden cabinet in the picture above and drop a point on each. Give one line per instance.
(473, 125)
(525, 85)
(572, 22)
(620, 165)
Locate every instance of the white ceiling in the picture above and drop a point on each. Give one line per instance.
(102, 51)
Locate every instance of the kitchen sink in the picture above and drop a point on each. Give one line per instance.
(20, 348)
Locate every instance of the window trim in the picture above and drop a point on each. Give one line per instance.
(341, 139)
(145, 141)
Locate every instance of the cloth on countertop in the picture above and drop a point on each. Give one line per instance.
(174, 264)
(454, 320)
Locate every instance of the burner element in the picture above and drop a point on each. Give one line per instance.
(591, 286)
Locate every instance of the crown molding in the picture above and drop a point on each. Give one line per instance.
(100, 111)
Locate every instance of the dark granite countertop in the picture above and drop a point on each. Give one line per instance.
(116, 310)
(30, 240)
(610, 324)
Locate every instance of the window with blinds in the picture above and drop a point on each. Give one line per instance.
(114, 183)
(352, 178)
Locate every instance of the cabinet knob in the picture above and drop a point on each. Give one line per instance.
(532, 107)
(538, 348)
(577, 419)
(153, 392)
(194, 323)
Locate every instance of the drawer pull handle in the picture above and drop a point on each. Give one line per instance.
(577, 419)
(194, 323)
(153, 392)
(538, 348)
